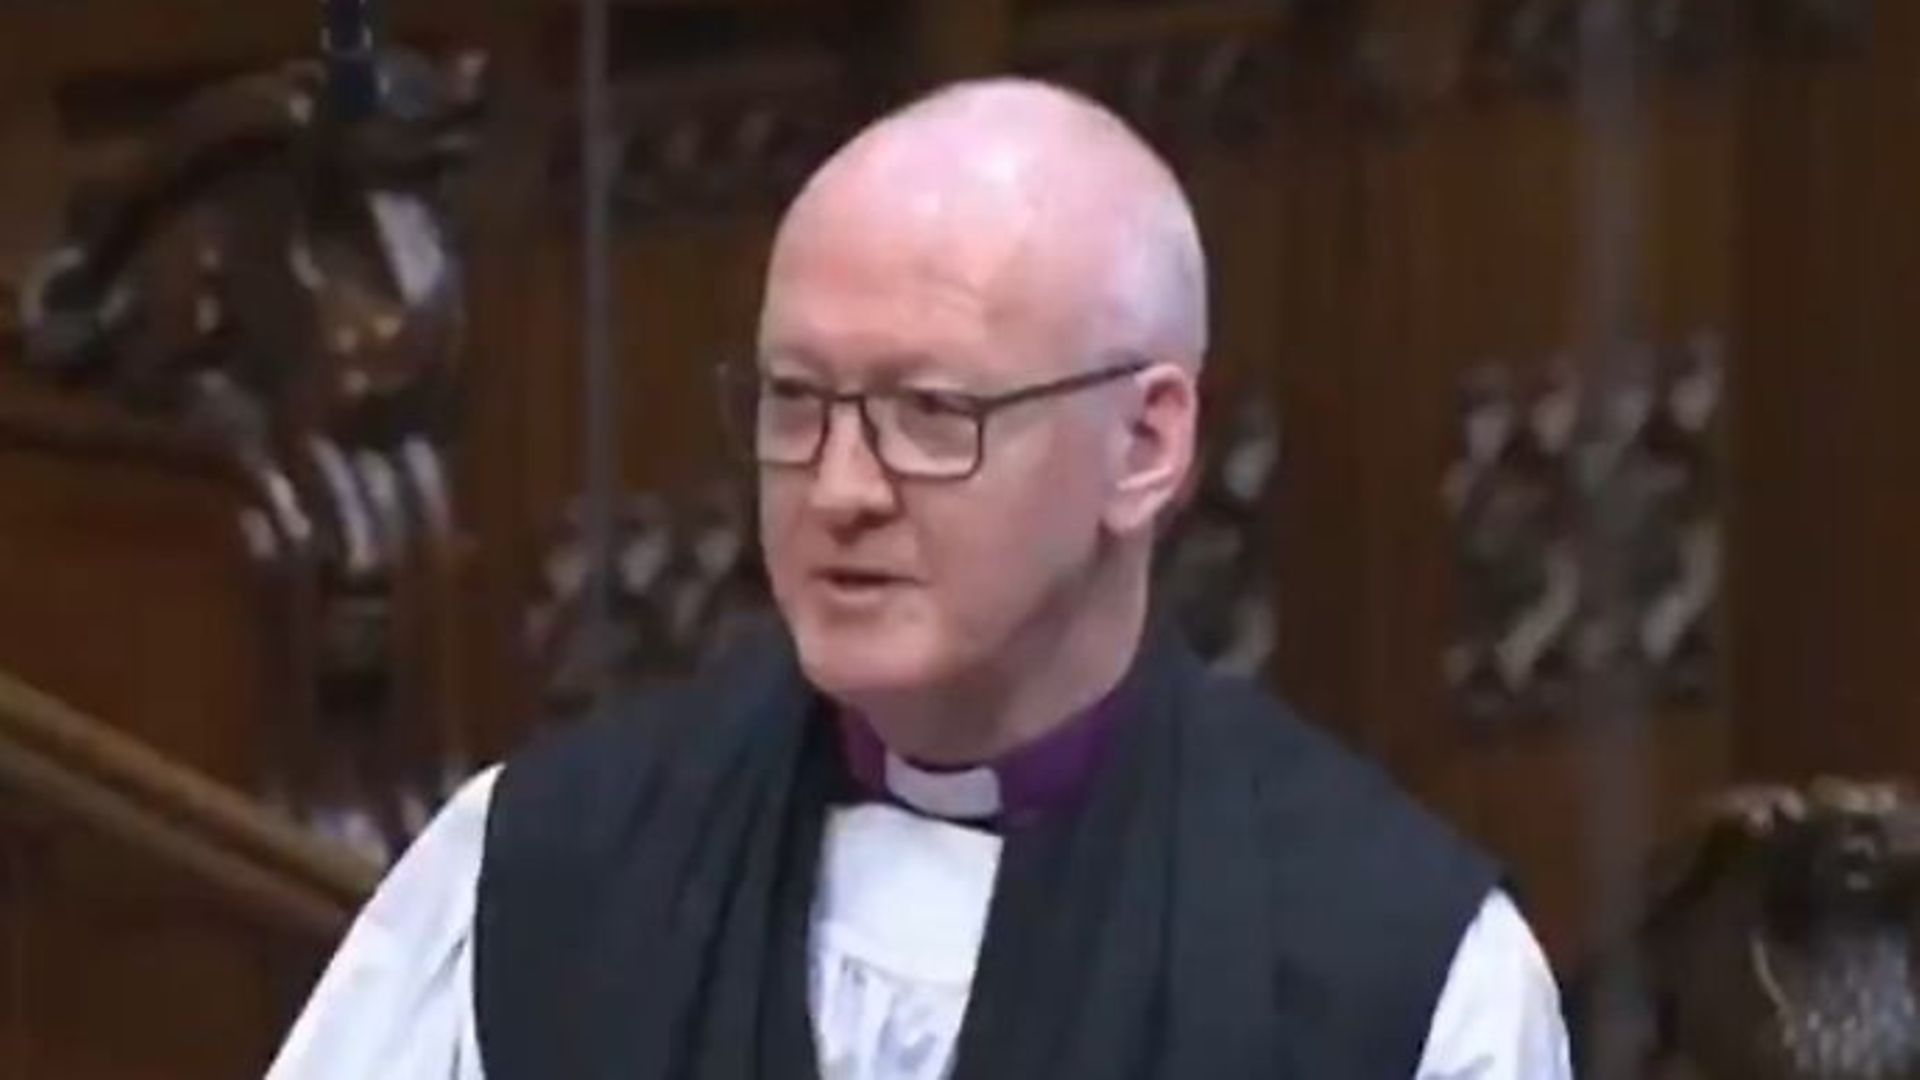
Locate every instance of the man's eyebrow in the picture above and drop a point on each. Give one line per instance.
(770, 360)
(904, 366)
(887, 369)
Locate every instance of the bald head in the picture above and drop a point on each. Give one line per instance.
(1029, 195)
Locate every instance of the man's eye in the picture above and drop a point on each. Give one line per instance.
(937, 402)
(780, 389)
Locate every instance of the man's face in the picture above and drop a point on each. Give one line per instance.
(893, 585)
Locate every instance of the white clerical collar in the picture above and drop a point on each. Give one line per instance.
(1024, 785)
(958, 795)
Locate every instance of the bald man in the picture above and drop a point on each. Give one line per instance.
(969, 809)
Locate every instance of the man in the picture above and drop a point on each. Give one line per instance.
(970, 810)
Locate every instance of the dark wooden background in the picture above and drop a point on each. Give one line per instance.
(1381, 213)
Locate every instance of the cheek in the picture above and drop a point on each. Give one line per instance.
(1057, 486)
(1001, 546)
(779, 507)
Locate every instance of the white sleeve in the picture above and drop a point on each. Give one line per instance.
(396, 1001)
(1498, 1017)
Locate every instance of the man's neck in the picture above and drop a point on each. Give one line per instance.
(1047, 675)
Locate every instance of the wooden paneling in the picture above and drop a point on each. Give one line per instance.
(118, 972)
(122, 586)
(1826, 601)
(124, 589)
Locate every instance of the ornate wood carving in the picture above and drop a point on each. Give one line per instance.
(1534, 462)
(1215, 565)
(740, 126)
(1535, 43)
(1186, 75)
(279, 280)
(686, 576)
(745, 135)
(1778, 938)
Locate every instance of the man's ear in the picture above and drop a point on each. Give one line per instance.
(1157, 451)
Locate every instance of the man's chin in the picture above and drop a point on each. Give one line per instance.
(853, 666)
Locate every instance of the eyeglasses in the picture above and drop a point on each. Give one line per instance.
(915, 433)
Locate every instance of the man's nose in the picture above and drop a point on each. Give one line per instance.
(850, 485)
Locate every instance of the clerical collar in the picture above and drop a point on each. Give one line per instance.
(1045, 776)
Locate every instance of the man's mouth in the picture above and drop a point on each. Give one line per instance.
(854, 582)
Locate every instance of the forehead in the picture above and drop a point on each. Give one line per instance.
(887, 282)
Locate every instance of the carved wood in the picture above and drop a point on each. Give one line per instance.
(741, 135)
(1534, 44)
(1534, 463)
(1777, 932)
(277, 284)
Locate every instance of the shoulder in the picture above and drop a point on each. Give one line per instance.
(1309, 782)
(568, 803)
(400, 975)
(572, 783)
(1499, 1015)
(425, 900)
(1362, 879)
